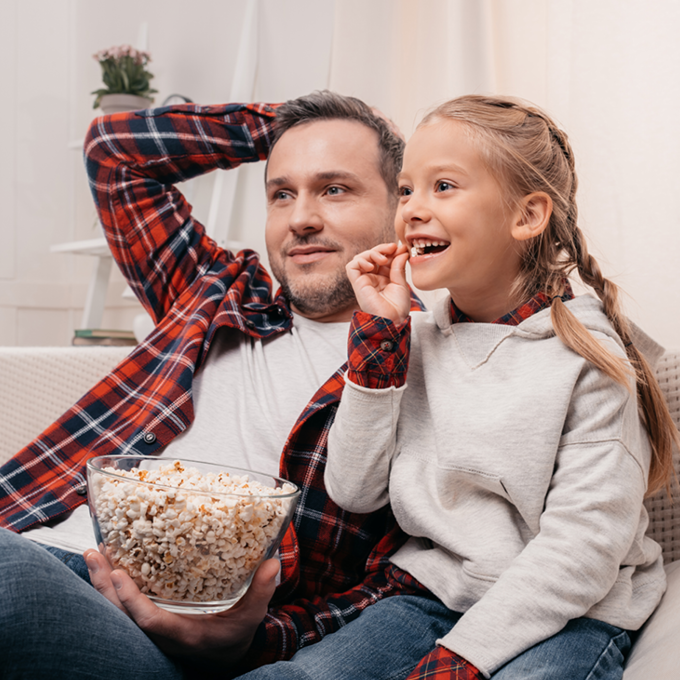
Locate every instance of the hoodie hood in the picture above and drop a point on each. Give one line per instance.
(587, 309)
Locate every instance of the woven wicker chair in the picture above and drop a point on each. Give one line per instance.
(47, 381)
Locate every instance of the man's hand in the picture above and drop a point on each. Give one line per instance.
(218, 637)
(378, 277)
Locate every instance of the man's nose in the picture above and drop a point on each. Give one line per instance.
(305, 217)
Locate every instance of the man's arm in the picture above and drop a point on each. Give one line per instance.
(133, 161)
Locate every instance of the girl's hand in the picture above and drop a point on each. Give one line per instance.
(378, 277)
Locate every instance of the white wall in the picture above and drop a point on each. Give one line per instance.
(607, 70)
(46, 75)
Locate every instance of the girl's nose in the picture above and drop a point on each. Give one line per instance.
(414, 210)
(305, 217)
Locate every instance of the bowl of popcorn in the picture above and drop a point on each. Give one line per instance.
(191, 535)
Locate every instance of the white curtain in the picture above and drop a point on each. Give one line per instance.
(607, 70)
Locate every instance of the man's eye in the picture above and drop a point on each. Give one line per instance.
(281, 195)
(335, 191)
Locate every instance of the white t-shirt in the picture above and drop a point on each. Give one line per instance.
(247, 396)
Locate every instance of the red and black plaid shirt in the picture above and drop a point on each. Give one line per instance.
(333, 562)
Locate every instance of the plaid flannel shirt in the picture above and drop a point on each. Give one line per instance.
(333, 563)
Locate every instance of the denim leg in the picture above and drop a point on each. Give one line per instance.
(74, 561)
(385, 642)
(586, 649)
(53, 625)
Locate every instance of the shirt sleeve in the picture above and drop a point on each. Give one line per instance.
(362, 439)
(134, 161)
(441, 664)
(378, 351)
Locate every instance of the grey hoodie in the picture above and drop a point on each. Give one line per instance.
(519, 471)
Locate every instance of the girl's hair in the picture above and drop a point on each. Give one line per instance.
(527, 152)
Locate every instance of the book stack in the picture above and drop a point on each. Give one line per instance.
(101, 336)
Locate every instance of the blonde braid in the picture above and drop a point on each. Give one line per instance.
(524, 147)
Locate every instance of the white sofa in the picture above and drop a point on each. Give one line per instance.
(39, 384)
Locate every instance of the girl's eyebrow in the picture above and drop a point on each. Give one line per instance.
(441, 167)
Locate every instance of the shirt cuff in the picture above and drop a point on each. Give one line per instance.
(442, 664)
(378, 351)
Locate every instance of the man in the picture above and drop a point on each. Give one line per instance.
(226, 374)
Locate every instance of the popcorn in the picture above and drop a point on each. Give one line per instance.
(187, 540)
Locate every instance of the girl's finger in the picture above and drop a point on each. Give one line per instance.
(398, 269)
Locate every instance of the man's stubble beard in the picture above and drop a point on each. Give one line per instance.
(318, 295)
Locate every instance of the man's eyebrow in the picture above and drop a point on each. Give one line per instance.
(277, 182)
(328, 176)
(337, 175)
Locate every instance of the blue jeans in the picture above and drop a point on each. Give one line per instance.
(74, 561)
(390, 637)
(54, 625)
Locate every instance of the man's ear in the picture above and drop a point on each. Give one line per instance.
(532, 216)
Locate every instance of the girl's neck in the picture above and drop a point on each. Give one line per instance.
(486, 308)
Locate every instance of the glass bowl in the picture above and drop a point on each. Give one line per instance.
(191, 535)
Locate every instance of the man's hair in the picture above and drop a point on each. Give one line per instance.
(326, 105)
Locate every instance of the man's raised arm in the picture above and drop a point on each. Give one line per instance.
(133, 161)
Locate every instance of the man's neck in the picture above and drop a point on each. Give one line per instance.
(334, 316)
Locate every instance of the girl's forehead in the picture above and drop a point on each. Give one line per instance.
(442, 142)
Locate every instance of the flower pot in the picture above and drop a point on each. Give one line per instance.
(115, 103)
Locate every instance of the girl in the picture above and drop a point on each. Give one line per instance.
(518, 454)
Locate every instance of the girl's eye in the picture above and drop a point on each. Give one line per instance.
(444, 186)
(405, 191)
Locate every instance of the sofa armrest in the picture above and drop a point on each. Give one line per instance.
(39, 384)
(656, 652)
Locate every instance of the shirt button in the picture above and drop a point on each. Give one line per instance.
(149, 437)
(82, 490)
(386, 345)
(250, 323)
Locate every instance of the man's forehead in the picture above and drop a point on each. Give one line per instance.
(325, 147)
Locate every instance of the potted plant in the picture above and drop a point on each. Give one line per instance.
(127, 81)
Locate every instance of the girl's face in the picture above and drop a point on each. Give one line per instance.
(456, 221)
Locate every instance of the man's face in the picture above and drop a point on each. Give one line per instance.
(326, 202)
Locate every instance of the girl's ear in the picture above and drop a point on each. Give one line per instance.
(532, 216)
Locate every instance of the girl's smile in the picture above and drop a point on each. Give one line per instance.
(456, 221)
